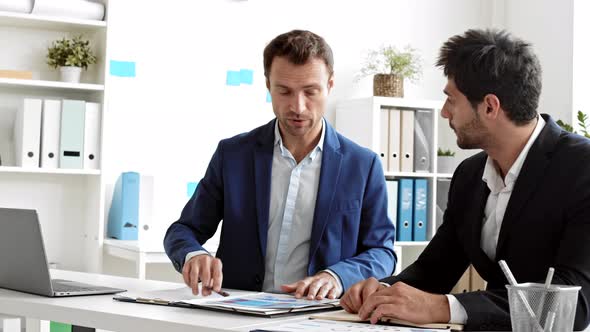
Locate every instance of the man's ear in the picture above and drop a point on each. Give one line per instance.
(492, 105)
(330, 83)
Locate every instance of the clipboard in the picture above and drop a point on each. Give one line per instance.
(255, 304)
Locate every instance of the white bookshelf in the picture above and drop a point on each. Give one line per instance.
(131, 251)
(49, 85)
(70, 202)
(359, 120)
(410, 175)
(25, 170)
(32, 21)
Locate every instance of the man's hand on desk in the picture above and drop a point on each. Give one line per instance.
(320, 286)
(204, 268)
(405, 302)
(356, 295)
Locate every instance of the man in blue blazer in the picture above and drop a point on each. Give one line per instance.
(304, 209)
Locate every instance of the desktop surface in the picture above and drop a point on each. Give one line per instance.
(101, 311)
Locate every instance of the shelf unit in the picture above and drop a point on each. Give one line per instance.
(131, 251)
(359, 120)
(41, 22)
(69, 202)
(50, 85)
(24, 170)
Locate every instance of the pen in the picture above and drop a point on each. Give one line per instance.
(520, 294)
(221, 292)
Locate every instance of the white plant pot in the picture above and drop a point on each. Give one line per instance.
(70, 74)
(446, 164)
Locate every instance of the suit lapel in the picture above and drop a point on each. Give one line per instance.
(262, 176)
(528, 179)
(329, 174)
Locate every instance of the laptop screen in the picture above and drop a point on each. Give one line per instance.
(23, 264)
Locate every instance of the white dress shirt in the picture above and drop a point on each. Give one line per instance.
(500, 192)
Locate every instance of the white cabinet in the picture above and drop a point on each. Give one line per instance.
(69, 202)
(361, 120)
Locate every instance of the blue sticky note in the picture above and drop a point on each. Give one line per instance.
(233, 78)
(246, 76)
(122, 68)
(268, 97)
(191, 187)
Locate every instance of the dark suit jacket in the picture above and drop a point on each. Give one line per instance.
(351, 234)
(547, 223)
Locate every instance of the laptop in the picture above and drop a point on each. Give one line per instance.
(23, 264)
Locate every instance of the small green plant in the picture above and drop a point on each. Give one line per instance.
(565, 126)
(445, 153)
(74, 52)
(582, 118)
(582, 122)
(389, 60)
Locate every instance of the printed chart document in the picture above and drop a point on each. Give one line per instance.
(328, 325)
(257, 304)
(344, 316)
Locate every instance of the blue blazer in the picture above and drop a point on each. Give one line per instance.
(351, 233)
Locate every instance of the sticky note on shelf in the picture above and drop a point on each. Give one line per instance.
(191, 187)
(233, 78)
(122, 68)
(246, 76)
(268, 97)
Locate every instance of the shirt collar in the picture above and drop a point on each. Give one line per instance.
(490, 173)
(313, 153)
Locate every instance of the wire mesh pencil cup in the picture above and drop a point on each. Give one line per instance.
(536, 308)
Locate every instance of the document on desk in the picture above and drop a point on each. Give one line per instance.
(327, 325)
(257, 304)
(343, 316)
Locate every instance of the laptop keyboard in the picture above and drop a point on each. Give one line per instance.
(64, 286)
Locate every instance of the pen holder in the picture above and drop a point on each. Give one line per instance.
(553, 308)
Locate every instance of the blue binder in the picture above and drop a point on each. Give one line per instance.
(124, 212)
(420, 209)
(404, 209)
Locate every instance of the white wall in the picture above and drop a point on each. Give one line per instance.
(548, 25)
(168, 120)
(581, 63)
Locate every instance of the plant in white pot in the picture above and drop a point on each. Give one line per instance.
(446, 161)
(70, 56)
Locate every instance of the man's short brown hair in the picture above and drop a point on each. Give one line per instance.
(298, 46)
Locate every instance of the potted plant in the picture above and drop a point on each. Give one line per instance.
(71, 56)
(446, 161)
(584, 127)
(390, 67)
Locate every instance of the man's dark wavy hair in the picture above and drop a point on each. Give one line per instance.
(494, 62)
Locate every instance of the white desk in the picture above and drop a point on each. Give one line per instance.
(103, 312)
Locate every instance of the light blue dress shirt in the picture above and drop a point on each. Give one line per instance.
(293, 193)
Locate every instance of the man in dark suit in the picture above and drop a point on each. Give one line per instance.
(304, 209)
(525, 199)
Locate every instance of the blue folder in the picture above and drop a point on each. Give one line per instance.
(404, 209)
(124, 212)
(420, 209)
